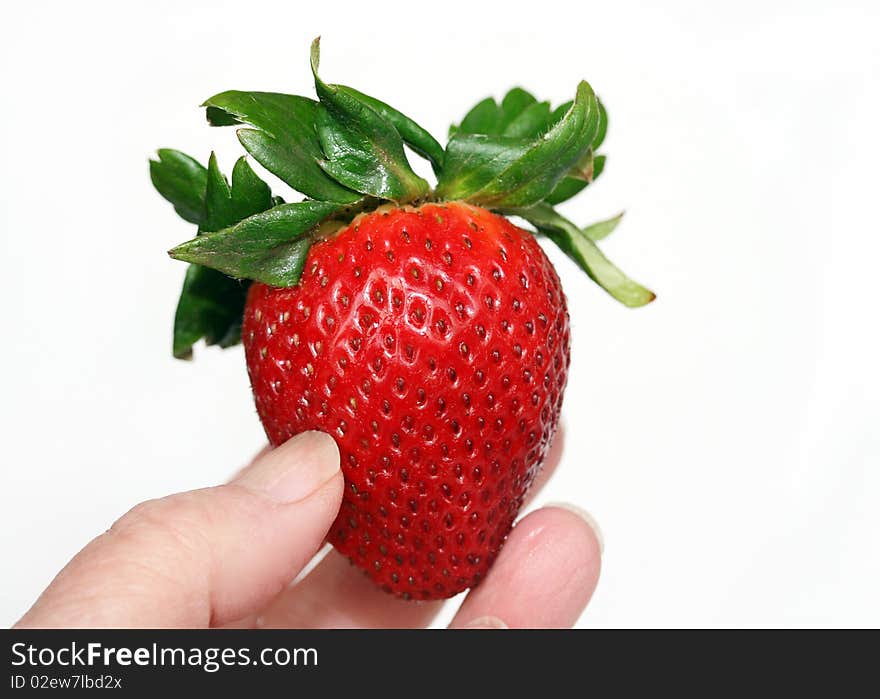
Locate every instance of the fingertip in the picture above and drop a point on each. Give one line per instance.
(294, 470)
(544, 576)
(590, 521)
(312, 443)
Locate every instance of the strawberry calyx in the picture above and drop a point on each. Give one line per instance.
(345, 152)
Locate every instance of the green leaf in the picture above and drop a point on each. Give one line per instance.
(602, 129)
(412, 134)
(570, 186)
(531, 118)
(283, 139)
(560, 112)
(363, 150)
(225, 205)
(583, 168)
(211, 303)
(220, 117)
(598, 166)
(474, 160)
(530, 177)
(489, 118)
(531, 122)
(602, 229)
(583, 250)
(484, 118)
(269, 247)
(513, 104)
(211, 306)
(181, 180)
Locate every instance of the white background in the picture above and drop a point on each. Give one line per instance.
(726, 437)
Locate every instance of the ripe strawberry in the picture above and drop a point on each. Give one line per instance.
(432, 343)
(424, 331)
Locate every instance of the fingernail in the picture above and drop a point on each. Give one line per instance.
(486, 622)
(587, 517)
(294, 470)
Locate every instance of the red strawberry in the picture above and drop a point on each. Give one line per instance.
(420, 328)
(432, 343)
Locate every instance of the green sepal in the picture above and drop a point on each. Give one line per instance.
(583, 168)
(283, 138)
(220, 117)
(513, 104)
(560, 111)
(484, 118)
(180, 179)
(520, 115)
(565, 190)
(211, 305)
(362, 149)
(531, 122)
(269, 247)
(579, 246)
(416, 137)
(474, 160)
(529, 178)
(602, 229)
(489, 118)
(571, 186)
(602, 130)
(226, 205)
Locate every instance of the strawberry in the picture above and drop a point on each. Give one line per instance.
(419, 326)
(432, 343)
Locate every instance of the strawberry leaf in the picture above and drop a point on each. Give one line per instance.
(585, 172)
(531, 122)
(520, 115)
(560, 111)
(269, 247)
(412, 134)
(602, 130)
(210, 307)
(484, 118)
(211, 303)
(226, 205)
(530, 177)
(581, 248)
(181, 180)
(363, 149)
(570, 186)
(283, 139)
(489, 118)
(602, 229)
(474, 160)
(514, 103)
(220, 117)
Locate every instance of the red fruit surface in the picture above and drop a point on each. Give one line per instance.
(433, 344)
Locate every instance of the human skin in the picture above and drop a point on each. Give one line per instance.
(229, 556)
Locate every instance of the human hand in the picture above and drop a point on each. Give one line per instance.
(226, 556)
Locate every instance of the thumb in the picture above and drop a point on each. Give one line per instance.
(205, 557)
